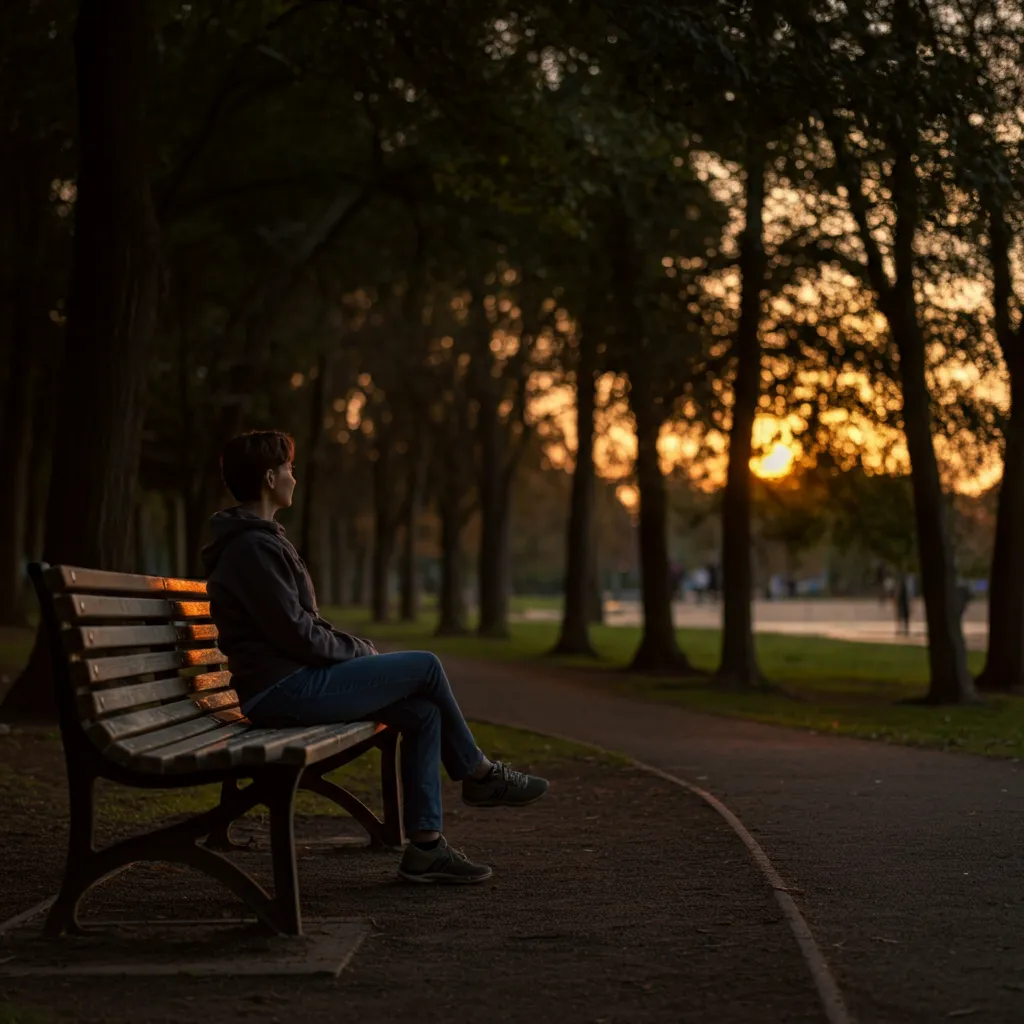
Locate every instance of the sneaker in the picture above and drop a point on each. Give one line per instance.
(503, 787)
(442, 865)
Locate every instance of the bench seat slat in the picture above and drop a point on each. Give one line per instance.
(124, 666)
(234, 745)
(71, 577)
(126, 752)
(88, 638)
(227, 754)
(187, 755)
(270, 746)
(77, 607)
(149, 720)
(340, 738)
(267, 745)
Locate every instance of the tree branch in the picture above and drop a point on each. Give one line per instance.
(850, 172)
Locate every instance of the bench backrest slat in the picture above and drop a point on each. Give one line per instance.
(125, 666)
(91, 638)
(139, 668)
(78, 607)
(121, 698)
(218, 700)
(69, 577)
(209, 681)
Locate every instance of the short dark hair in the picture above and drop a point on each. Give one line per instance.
(246, 459)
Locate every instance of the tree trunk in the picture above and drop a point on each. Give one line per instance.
(658, 650)
(111, 320)
(492, 562)
(950, 682)
(312, 465)
(383, 533)
(362, 592)
(383, 550)
(577, 613)
(27, 189)
(1004, 663)
(738, 661)
(410, 579)
(177, 534)
(16, 437)
(340, 571)
(451, 605)
(43, 431)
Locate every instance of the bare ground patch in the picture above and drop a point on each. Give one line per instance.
(617, 898)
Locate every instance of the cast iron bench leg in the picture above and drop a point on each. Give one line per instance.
(63, 916)
(281, 804)
(220, 837)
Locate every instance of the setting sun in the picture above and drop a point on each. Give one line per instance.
(777, 463)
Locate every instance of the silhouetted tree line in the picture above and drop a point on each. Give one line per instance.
(395, 228)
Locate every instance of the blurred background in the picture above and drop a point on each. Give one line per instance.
(655, 313)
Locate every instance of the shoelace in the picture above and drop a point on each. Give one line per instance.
(446, 847)
(510, 775)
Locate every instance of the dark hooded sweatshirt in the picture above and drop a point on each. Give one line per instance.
(262, 601)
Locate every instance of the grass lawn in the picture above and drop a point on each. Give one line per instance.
(11, 1014)
(831, 686)
(15, 647)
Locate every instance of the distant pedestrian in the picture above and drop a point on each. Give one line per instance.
(903, 605)
(712, 571)
(676, 576)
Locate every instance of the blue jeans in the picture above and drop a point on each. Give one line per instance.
(408, 691)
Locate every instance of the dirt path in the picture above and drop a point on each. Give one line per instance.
(619, 898)
(909, 863)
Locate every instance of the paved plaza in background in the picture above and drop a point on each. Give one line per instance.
(860, 620)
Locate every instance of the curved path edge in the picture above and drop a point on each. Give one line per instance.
(829, 993)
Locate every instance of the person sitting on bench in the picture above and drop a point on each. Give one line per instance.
(291, 667)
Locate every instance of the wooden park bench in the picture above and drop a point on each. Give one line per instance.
(145, 700)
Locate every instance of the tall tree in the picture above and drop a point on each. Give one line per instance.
(112, 309)
(574, 635)
(35, 198)
(893, 94)
(645, 362)
(989, 165)
(738, 660)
